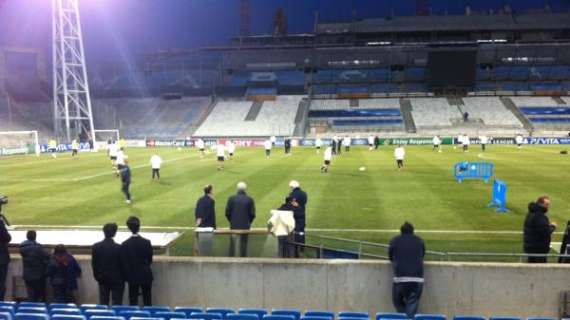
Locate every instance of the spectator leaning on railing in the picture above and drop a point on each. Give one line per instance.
(538, 230)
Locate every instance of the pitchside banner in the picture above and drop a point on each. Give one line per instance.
(65, 147)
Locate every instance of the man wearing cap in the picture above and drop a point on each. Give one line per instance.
(301, 198)
(240, 212)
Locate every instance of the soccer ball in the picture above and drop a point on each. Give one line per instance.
(362, 169)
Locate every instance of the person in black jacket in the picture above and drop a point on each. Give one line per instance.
(136, 259)
(240, 212)
(538, 230)
(205, 212)
(63, 271)
(107, 269)
(301, 199)
(125, 172)
(5, 239)
(406, 253)
(35, 260)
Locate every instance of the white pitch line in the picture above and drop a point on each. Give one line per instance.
(480, 232)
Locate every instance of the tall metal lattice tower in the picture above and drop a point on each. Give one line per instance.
(73, 116)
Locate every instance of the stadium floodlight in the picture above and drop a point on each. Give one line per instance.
(19, 142)
(71, 101)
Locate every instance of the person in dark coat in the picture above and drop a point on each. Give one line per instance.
(538, 230)
(205, 212)
(333, 145)
(407, 253)
(63, 271)
(125, 172)
(301, 199)
(376, 142)
(287, 145)
(5, 239)
(136, 259)
(107, 269)
(564, 246)
(35, 261)
(240, 212)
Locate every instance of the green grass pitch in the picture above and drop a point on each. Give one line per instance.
(345, 202)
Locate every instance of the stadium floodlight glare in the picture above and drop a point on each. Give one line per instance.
(19, 142)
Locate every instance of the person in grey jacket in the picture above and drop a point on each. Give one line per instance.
(240, 212)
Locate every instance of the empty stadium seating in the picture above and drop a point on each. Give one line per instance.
(544, 112)
(434, 112)
(491, 111)
(228, 118)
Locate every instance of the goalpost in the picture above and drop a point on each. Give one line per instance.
(102, 137)
(19, 142)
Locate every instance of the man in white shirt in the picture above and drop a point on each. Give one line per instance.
(484, 140)
(347, 141)
(231, 149)
(112, 150)
(221, 154)
(155, 163)
(273, 139)
(327, 157)
(466, 143)
(201, 147)
(267, 145)
(519, 140)
(318, 145)
(400, 154)
(370, 143)
(436, 144)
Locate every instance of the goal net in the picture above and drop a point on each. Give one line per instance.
(19, 142)
(102, 138)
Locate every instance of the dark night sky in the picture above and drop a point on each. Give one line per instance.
(117, 29)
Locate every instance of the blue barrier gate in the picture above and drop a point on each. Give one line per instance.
(473, 170)
(499, 200)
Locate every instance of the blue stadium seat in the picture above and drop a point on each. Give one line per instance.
(8, 303)
(206, 316)
(351, 318)
(315, 318)
(154, 309)
(65, 311)
(84, 307)
(99, 312)
(134, 313)
(540, 318)
(8, 309)
(137, 318)
(460, 317)
(351, 314)
(279, 317)
(287, 312)
(32, 310)
(425, 316)
(258, 312)
(107, 318)
(188, 310)
(390, 315)
(241, 316)
(319, 313)
(121, 308)
(167, 315)
(504, 318)
(6, 316)
(32, 304)
(31, 316)
(223, 311)
(67, 317)
(62, 305)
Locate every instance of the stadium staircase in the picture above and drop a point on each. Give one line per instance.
(510, 105)
(301, 118)
(192, 129)
(455, 101)
(558, 100)
(406, 109)
(254, 111)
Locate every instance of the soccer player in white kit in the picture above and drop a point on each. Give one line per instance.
(201, 146)
(318, 145)
(519, 140)
(400, 154)
(112, 150)
(221, 154)
(346, 141)
(466, 143)
(231, 149)
(273, 139)
(370, 143)
(327, 158)
(155, 163)
(267, 145)
(484, 140)
(436, 144)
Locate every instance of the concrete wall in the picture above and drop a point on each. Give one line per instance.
(450, 288)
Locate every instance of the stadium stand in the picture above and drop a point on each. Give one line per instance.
(228, 118)
(545, 113)
(491, 111)
(434, 113)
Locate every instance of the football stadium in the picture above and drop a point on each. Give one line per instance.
(284, 160)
